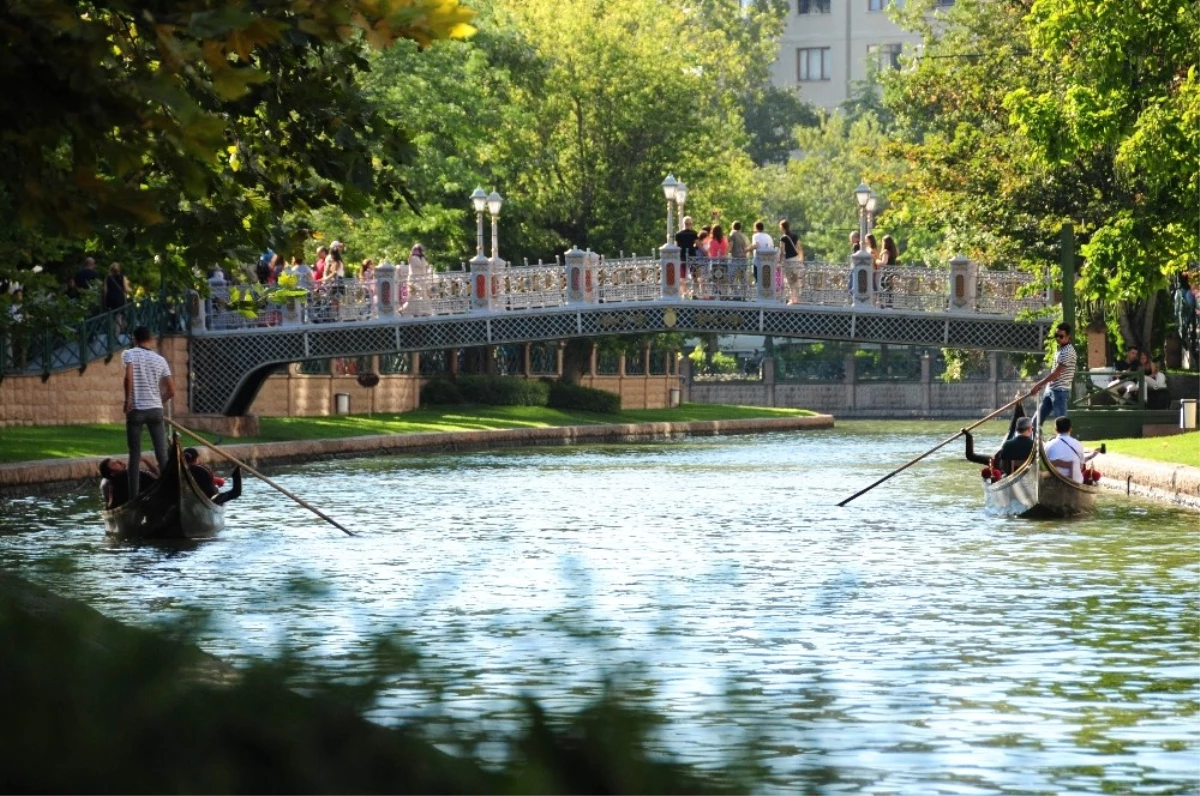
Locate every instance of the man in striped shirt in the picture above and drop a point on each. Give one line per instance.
(1060, 378)
(147, 383)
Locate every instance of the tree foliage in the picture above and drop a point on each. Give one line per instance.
(188, 127)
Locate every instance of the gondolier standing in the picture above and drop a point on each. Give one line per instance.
(147, 384)
(1060, 378)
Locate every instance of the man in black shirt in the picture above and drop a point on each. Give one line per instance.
(1014, 452)
(87, 274)
(685, 239)
(210, 483)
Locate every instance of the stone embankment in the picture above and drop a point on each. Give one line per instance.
(33, 476)
(1171, 483)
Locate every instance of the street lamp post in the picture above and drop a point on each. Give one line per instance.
(862, 268)
(668, 253)
(480, 272)
(494, 201)
(863, 195)
(669, 186)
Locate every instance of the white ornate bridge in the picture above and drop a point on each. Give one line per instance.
(242, 335)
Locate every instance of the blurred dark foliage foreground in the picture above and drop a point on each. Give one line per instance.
(93, 706)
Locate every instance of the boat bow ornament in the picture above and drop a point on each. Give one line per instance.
(238, 341)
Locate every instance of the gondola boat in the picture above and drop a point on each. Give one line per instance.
(1037, 489)
(175, 507)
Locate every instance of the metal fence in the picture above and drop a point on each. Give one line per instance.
(25, 351)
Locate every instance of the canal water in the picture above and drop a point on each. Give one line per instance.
(907, 643)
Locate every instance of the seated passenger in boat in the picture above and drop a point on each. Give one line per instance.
(208, 481)
(1008, 456)
(1014, 452)
(114, 483)
(1064, 451)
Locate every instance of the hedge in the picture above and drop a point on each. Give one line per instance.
(585, 399)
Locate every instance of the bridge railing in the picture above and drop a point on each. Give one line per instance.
(961, 288)
(628, 279)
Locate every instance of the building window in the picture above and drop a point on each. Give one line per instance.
(876, 5)
(885, 56)
(812, 63)
(812, 6)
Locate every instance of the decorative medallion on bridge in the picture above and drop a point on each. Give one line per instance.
(368, 379)
(670, 274)
(575, 281)
(481, 286)
(669, 318)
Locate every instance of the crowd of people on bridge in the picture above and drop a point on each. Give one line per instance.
(331, 272)
(701, 249)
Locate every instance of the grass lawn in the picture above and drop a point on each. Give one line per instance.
(25, 443)
(1176, 449)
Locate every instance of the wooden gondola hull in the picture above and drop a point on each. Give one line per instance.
(174, 508)
(1036, 490)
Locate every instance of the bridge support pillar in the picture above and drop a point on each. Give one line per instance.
(581, 280)
(668, 257)
(385, 290)
(766, 275)
(862, 279)
(963, 284)
(851, 379)
(481, 283)
(926, 383)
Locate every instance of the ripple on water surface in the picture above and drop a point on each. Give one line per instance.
(908, 641)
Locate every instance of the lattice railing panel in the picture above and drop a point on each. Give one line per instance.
(537, 327)
(996, 335)
(443, 334)
(895, 328)
(810, 325)
(351, 340)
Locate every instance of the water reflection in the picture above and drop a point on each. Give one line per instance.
(908, 642)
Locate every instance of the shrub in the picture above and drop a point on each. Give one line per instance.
(503, 391)
(440, 392)
(585, 399)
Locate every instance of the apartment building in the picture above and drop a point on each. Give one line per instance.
(828, 44)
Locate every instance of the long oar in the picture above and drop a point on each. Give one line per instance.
(942, 444)
(260, 476)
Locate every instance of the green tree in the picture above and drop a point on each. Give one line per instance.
(1129, 97)
(188, 127)
(815, 191)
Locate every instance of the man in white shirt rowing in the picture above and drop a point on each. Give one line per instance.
(147, 384)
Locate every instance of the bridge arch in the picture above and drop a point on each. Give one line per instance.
(229, 368)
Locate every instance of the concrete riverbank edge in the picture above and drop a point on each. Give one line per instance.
(1170, 483)
(50, 474)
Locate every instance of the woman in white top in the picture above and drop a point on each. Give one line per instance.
(419, 276)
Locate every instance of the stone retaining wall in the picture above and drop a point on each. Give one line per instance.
(1172, 483)
(95, 395)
